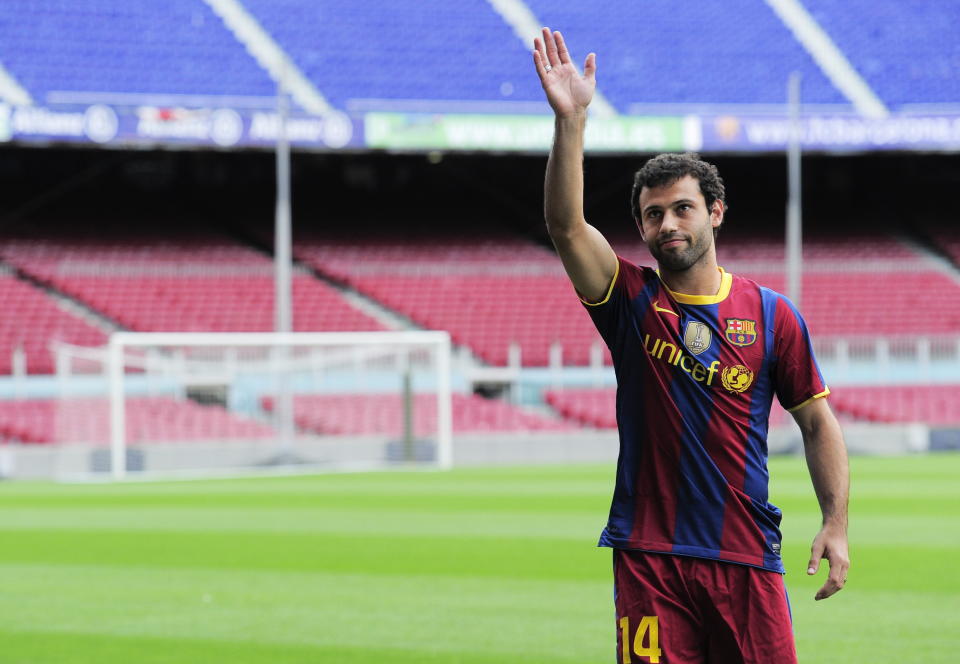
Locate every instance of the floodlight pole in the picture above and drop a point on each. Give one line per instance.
(283, 318)
(283, 256)
(794, 248)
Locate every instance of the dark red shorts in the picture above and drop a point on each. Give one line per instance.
(681, 610)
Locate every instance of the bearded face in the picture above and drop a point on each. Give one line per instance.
(677, 251)
(676, 225)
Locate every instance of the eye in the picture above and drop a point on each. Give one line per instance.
(683, 207)
(653, 214)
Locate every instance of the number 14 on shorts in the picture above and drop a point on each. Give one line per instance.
(648, 630)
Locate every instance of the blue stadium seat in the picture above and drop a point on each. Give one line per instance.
(409, 54)
(458, 50)
(697, 54)
(173, 47)
(908, 52)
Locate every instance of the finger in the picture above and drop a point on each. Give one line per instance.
(836, 579)
(539, 49)
(538, 63)
(829, 588)
(590, 67)
(545, 38)
(825, 591)
(551, 45)
(816, 553)
(562, 48)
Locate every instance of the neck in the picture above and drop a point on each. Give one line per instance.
(703, 278)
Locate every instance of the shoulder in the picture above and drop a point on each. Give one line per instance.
(778, 302)
(634, 278)
(741, 284)
(644, 272)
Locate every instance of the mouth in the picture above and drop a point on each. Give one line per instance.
(675, 242)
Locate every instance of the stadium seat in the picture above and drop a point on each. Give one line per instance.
(936, 405)
(38, 322)
(177, 47)
(362, 414)
(596, 407)
(149, 420)
(489, 293)
(198, 282)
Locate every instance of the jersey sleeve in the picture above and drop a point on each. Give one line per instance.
(797, 376)
(611, 314)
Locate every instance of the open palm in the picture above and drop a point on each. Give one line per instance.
(568, 92)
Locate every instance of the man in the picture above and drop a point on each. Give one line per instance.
(699, 354)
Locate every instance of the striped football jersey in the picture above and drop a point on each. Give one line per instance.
(695, 379)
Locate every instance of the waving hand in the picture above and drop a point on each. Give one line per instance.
(568, 92)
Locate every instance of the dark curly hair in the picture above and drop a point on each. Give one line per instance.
(665, 169)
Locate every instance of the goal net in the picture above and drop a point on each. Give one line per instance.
(220, 403)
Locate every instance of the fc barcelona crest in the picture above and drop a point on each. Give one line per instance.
(741, 332)
(697, 337)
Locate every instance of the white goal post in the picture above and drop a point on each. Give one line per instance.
(292, 361)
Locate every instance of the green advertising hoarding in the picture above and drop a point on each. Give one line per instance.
(525, 133)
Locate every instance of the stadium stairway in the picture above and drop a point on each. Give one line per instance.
(201, 282)
(391, 316)
(270, 55)
(44, 316)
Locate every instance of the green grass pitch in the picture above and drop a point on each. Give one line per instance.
(475, 566)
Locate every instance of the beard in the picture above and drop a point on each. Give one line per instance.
(681, 258)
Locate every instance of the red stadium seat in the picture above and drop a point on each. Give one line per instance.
(149, 420)
(360, 414)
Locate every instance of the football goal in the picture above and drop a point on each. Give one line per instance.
(208, 403)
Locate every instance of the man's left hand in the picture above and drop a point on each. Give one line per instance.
(830, 543)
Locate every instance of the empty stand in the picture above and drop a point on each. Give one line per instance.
(489, 313)
(362, 414)
(596, 407)
(489, 292)
(733, 52)
(213, 304)
(853, 284)
(593, 407)
(149, 419)
(103, 46)
(33, 321)
(492, 292)
(931, 404)
(906, 52)
(196, 282)
(323, 38)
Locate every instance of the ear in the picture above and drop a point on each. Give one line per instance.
(716, 214)
(640, 228)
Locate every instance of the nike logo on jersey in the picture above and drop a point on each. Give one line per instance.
(657, 307)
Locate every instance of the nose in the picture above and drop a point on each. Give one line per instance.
(670, 223)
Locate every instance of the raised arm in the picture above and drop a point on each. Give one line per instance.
(586, 255)
(830, 472)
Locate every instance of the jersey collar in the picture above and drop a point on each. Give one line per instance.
(726, 279)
